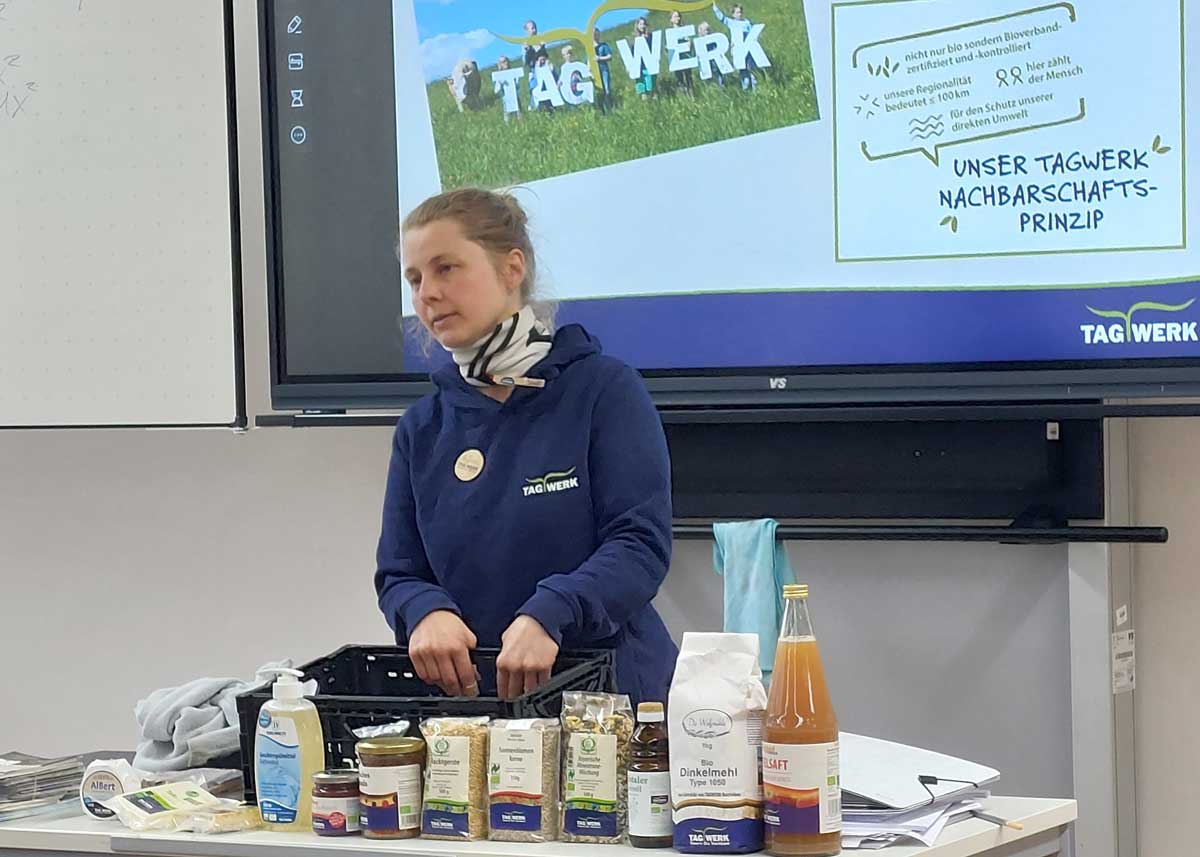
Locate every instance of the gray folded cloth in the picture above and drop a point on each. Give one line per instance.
(186, 726)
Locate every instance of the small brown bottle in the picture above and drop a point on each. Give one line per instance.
(650, 823)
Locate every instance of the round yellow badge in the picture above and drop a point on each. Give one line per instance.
(469, 465)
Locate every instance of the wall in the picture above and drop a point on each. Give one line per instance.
(1166, 491)
(134, 560)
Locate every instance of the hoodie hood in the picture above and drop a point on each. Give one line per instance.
(571, 344)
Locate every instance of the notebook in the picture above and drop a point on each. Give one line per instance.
(884, 775)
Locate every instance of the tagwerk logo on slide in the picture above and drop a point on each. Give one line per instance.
(551, 482)
(642, 53)
(1129, 330)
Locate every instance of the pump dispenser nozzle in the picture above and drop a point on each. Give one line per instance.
(287, 685)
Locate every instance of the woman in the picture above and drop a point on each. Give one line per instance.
(602, 51)
(528, 501)
(683, 77)
(739, 30)
(533, 54)
(645, 83)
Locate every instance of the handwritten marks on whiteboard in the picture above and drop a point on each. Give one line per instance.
(6, 6)
(18, 84)
(16, 90)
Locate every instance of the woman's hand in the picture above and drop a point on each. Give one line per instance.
(440, 647)
(527, 655)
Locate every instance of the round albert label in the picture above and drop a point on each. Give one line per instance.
(469, 465)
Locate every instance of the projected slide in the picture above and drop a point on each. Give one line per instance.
(804, 183)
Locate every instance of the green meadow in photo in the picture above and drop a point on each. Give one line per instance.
(477, 147)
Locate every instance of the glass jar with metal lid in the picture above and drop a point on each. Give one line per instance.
(335, 803)
(391, 776)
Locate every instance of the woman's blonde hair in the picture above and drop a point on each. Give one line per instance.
(494, 220)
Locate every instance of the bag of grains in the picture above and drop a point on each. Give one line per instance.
(596, 732)
(455, 778)
(714, 719)
(523, 757)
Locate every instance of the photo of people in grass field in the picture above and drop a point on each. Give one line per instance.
(520, 91)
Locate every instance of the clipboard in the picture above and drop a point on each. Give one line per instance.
(887, 776)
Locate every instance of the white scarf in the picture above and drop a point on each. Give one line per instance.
(507, 353)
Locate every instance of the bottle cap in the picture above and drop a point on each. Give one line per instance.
(650, 712)
(795, 590)
(390, 746)
(336, 777)
(287, 685)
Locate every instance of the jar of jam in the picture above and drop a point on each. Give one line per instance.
(335, 803)
(391, 775)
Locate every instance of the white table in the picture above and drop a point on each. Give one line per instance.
(1046, 822)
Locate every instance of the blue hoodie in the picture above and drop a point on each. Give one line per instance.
(569, 521)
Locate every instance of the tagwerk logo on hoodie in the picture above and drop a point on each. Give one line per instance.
(551, 482)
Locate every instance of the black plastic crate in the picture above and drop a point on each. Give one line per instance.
(363, 685)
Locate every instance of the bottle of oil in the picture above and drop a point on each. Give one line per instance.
(801, 786)
(650, 823)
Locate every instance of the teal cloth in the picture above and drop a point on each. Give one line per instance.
(755, 567)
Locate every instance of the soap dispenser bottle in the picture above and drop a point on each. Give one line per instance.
(288, 749)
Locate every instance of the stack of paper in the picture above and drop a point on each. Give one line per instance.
(31, 785)
(878, 830)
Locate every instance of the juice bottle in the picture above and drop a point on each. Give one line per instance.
(801, 787)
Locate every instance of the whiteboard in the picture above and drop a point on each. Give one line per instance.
(118, 291)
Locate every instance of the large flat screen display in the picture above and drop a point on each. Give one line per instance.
(777, 197)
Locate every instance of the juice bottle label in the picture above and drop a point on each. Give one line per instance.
(802, 789)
